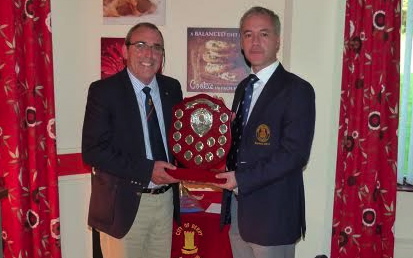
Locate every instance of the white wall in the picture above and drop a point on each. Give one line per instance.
(312, 48)
(74, 203)
(404, 226)
(316, 51)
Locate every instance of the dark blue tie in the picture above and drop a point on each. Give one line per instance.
(240, 120)
(155, 136)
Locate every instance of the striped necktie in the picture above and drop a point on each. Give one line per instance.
(155, 136)
(240, 120)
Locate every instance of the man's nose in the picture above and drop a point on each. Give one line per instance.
(148, 52)
(255, 39)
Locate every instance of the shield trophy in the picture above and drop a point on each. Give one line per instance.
(200, 138)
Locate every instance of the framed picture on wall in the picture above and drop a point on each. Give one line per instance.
(215, 62)
(111, 59)
(133, 11)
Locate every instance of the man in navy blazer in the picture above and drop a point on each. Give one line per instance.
(263, 196)
(133, 199)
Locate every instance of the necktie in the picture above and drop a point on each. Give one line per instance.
(155, 136)
(239, 122)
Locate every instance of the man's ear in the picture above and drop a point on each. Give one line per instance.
(278, 42)
(125, 52)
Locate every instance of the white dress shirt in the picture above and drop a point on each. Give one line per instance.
(140, 96)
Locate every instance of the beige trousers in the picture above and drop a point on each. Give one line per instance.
(150, 234)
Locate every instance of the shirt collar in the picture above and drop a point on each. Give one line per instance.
(139, 85)
(265, 74)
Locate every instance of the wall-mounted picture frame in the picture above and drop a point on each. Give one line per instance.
(215, 62)
(111, 58)
(124, 12)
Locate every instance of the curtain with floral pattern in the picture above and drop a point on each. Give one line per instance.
(30, 212)
(365, 186)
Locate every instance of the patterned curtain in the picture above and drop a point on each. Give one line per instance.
(365, 187)
(30, 213)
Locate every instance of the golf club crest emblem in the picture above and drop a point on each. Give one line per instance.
(263, 134)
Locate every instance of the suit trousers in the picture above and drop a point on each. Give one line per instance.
(150, 234)
(242, 249)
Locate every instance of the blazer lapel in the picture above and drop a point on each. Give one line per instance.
(166, 101)
(132, 103)
(167, 105)
(270, 92)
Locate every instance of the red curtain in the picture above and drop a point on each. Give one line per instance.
(365, 187)
(30, 213)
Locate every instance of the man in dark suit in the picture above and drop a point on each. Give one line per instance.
(264, 191)
(133, 199)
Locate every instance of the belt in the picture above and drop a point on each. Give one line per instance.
(159, 190)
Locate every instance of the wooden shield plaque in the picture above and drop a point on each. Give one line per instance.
(200, 138)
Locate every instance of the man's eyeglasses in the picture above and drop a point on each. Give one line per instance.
(142, 46)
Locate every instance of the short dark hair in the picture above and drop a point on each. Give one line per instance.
(258, 10)
(140, 25)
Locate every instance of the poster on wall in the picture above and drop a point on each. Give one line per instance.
(130, 12)
(215, 63)
(111, 59)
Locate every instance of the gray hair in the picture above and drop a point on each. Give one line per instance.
(140, 25)
(258, 10)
